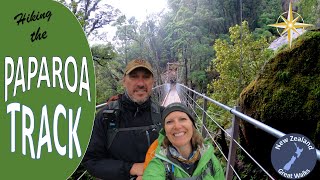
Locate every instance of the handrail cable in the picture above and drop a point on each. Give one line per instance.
(220, 151)
(253, 159)
(252, 121)
(259, 124)
(214, 121)
(229, 136)
(216, 144)
(82, 175)
(210, 135)
(199, 105)
(197, 116)
(231, 139)
(186, 94)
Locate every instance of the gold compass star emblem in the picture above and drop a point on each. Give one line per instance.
(290, 24)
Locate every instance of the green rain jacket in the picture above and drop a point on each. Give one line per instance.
(156, 168)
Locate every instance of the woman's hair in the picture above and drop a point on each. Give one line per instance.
(196, 139)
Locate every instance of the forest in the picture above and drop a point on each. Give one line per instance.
(220, 45)
(206, 37)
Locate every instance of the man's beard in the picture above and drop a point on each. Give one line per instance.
(141, 101)
(138, 101)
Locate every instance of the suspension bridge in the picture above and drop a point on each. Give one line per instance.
(174, 92)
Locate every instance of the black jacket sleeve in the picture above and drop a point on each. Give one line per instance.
(96, 159)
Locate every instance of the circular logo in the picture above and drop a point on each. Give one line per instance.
(47, 94)
(293, 156)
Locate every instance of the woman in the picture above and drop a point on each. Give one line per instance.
(181, 152)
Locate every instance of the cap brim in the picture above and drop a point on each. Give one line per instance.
(130, 70)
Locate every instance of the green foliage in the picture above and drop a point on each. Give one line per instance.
(309, 10)
(236, 74)
(108, 72)
(106, 83)
(283, 76)
(227, 62)
(198, 76)
(103, 53)
(286, 96)
(269, 11)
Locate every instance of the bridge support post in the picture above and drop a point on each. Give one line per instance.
(159, 92)
(233, 146)
(194, 101)
(190, 99)
(204, 117)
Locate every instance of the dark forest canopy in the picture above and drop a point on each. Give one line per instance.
(189, 32)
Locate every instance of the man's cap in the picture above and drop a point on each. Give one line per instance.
(177, 107)
(137, 63)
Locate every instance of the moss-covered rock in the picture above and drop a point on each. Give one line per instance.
(286, 96)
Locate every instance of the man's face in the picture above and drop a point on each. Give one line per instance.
(138, 84)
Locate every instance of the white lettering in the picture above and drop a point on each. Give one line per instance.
(32, 74)
(59, 110)
(73, 137)
(7, 79)
(71, 60)
(44, 133)
(84, 85)
(56, 72)
(41, 73)
(43, 68)
(284, 174)
(302, 174)
(303, 140)
(282, 142)
(19, 82)
(12, 108)
(26, 132)
(46, 138)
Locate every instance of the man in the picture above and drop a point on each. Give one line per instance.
(125, 128)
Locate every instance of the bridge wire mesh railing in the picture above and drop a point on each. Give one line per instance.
(190, 98)
(191, 105)
(193, 108)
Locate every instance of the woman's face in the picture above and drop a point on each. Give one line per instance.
(179, 129)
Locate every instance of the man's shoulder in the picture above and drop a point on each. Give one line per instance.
(156, 106)
(112, 103)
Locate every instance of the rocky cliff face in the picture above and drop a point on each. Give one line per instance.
(286, 96)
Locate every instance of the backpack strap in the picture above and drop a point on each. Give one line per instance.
(170, 172)
(142, 128)
(209, 169)
(190, 178)
(111, 116)
(156, 115)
